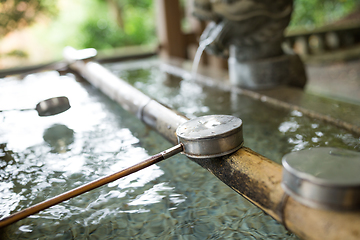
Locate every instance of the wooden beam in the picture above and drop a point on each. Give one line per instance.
(172, 39)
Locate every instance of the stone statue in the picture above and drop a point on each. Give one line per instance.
(250, 33)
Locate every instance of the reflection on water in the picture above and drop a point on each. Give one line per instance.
(93, 141)
(59, 137)
(175, 199)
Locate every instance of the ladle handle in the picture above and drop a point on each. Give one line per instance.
(90, 186)
(23, 109)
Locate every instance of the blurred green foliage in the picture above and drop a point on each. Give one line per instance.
(101, 24)
(17, 53)
(317, 13)
(17, 14)
(131, 24)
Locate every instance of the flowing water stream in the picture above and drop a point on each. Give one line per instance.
(208, 36)
(175, 199)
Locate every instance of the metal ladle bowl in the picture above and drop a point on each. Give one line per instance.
(324, 177)
(48, 107)
(52, 106)
(211, 136)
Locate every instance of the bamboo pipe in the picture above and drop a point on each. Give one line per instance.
(251, 175)
(157, 116)
(90, 186)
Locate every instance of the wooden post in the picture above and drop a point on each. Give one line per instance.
(172, 40)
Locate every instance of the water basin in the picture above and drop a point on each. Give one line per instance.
(175, 199)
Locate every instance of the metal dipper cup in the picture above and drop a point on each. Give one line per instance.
(48, 107)
(211, 136)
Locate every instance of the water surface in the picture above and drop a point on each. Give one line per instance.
(175, 199)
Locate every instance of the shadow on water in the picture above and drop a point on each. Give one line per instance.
(5, 154)
(59, 137)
